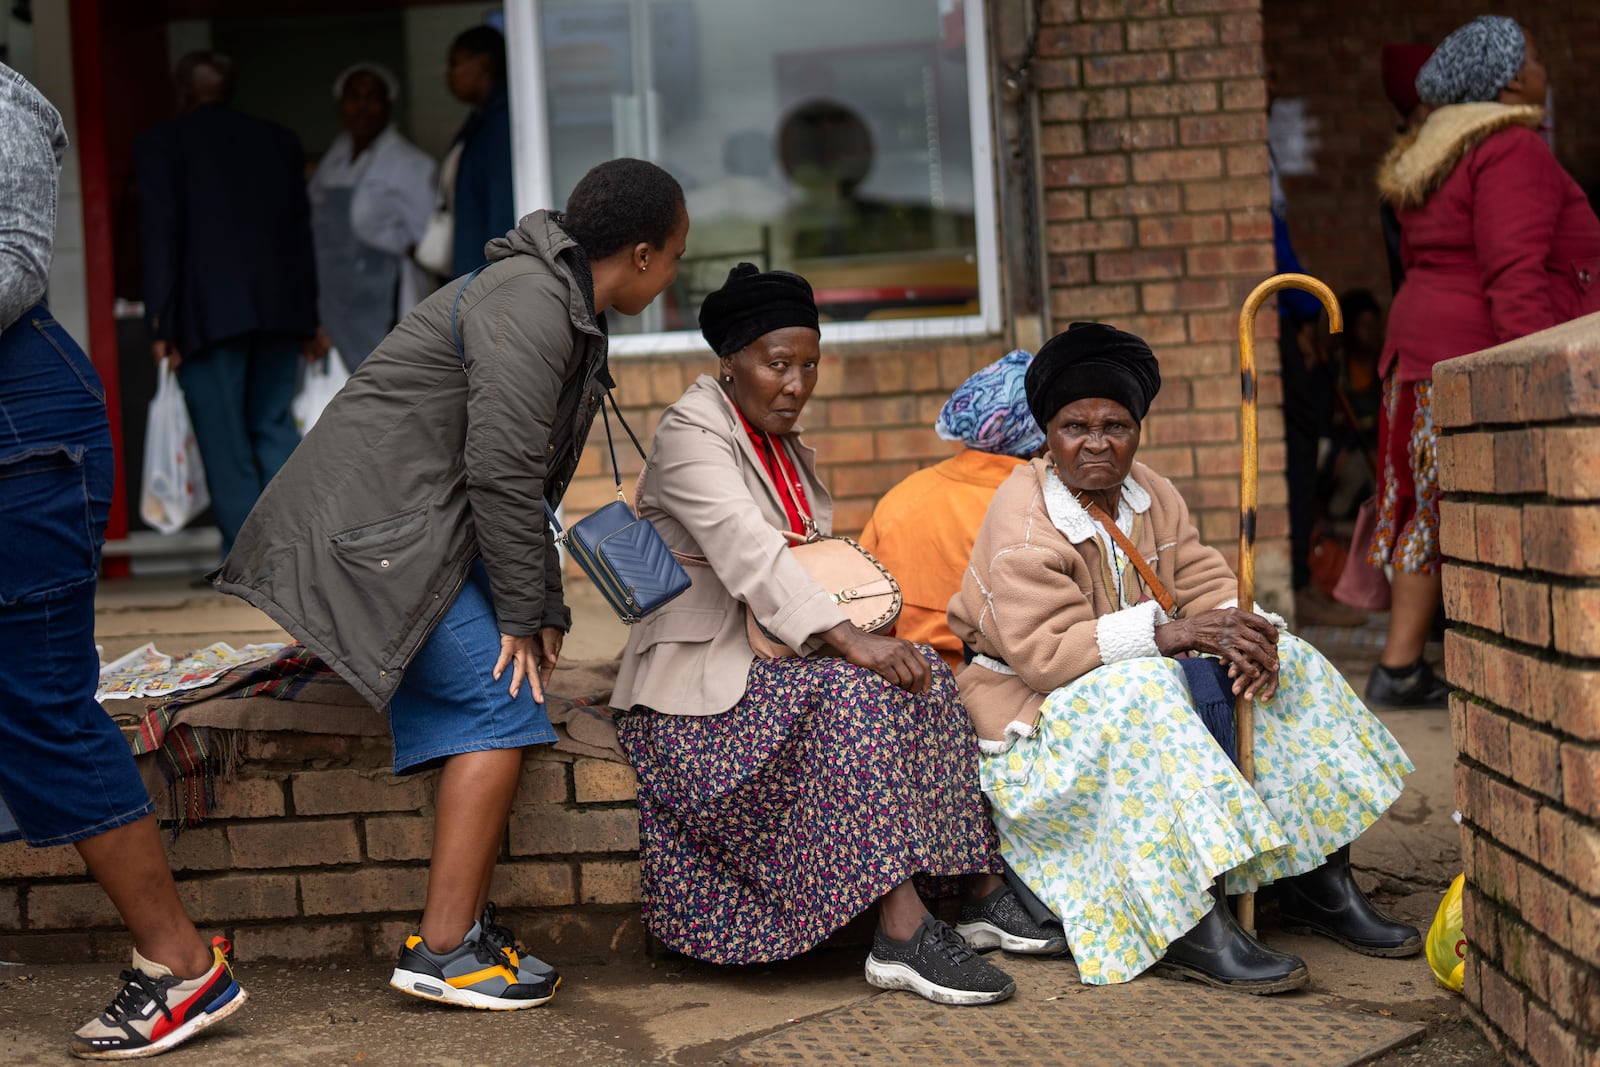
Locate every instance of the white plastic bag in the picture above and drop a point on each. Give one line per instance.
(324, 378)
(173, 488)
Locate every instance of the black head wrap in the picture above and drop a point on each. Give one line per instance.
(752, 303)
(1092, 359)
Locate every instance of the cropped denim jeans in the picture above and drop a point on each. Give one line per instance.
(65, 770)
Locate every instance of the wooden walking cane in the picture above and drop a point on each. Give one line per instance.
(1244, 711)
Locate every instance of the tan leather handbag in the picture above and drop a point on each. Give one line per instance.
(848, 573)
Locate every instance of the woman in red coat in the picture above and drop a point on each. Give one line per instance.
(1498, 242)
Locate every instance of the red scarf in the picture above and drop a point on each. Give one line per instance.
(785, 476)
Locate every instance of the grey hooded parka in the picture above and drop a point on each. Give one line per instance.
(361, 542)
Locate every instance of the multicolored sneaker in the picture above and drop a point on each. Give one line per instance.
(937, 965)
(157, 1010)
(475, 974)
(1000, 921)
(530, 969)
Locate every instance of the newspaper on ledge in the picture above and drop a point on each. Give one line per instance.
(146, 672)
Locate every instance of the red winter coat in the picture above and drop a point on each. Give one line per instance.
(1497, 239)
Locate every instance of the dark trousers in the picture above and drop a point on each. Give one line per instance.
(239, 393)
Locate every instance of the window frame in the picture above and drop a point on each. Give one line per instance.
(530, 136)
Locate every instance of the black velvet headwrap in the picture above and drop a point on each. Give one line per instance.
(752, 303)
(1092, 359)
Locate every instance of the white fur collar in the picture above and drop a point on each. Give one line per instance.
(1069, 516)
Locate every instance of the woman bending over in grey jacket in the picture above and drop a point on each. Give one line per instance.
(403, 544)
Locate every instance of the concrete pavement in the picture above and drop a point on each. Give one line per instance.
(628, 1008)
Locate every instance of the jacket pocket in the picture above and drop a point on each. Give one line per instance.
(678, 626)
(387, 548)
(46, 520)
(391, 529)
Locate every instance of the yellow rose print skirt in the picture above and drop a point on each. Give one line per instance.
(1120, 810)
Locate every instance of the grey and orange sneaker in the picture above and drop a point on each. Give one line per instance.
(474, 974)
(530, 968)
(156, 1010)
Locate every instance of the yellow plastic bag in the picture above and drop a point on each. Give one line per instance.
(1447, 944)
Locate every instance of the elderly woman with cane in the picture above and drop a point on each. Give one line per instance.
(1108, 650)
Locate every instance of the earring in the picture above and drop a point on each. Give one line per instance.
(727, 377)
(643, 267)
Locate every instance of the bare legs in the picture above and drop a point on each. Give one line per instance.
(131, 866)
(1413, 600)
(900, 910)
(471, 806)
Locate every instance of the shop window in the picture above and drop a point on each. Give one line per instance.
(843, 140)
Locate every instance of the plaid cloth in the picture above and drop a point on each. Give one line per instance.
(192, 758)
(193, 736)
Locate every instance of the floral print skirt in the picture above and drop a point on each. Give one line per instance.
(769, 826)
(1120, 810)
(1407, 534)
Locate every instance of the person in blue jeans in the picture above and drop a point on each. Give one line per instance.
(230, 288)
(66, 775)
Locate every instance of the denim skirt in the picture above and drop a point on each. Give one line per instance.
(65, 770)
(449, 701)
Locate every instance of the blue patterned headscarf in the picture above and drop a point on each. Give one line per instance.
(989, 411)
(1474, 63)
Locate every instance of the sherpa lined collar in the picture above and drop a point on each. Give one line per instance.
(1070, 517)
(1421, 161)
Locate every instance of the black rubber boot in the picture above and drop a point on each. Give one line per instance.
(1327, 901)
(1219, 953)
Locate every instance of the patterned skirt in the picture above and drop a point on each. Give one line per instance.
(1120, 810)
(1407, 534)
(768, 827)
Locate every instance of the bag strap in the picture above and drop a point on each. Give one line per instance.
(1157, 590)
(461, 353)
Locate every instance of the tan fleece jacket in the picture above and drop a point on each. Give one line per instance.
(1039, 596)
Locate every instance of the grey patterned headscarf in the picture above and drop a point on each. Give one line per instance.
(1474, 63)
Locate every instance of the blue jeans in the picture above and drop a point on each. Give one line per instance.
(65, 770)
(239, 393)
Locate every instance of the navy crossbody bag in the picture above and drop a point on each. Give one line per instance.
(621, 553)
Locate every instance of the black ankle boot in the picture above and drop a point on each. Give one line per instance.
(1218, 952)
(1327, 901)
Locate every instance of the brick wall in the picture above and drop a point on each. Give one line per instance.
(1327, 52)
(1519, 459)
(1158, 220)
(317, 850)
(1155, 209)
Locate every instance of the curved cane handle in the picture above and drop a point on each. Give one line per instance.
(1249, 471)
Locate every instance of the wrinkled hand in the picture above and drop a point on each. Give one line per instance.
(521, 654)
(550, 642)
(166, 350)
(1243, 640)
(896, 660)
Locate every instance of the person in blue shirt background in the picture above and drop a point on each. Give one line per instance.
(484, 207)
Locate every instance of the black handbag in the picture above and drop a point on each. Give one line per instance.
(623, 555)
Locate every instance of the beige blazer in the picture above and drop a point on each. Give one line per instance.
(708, 494)
(1039, 604)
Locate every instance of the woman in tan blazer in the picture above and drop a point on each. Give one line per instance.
(1107, 758)
(779, 798)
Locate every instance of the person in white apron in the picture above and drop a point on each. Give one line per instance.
(371, 196)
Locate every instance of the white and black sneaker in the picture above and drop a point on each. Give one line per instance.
(938, 965)
(1000, 921)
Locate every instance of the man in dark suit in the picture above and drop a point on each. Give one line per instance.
(229, 277)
